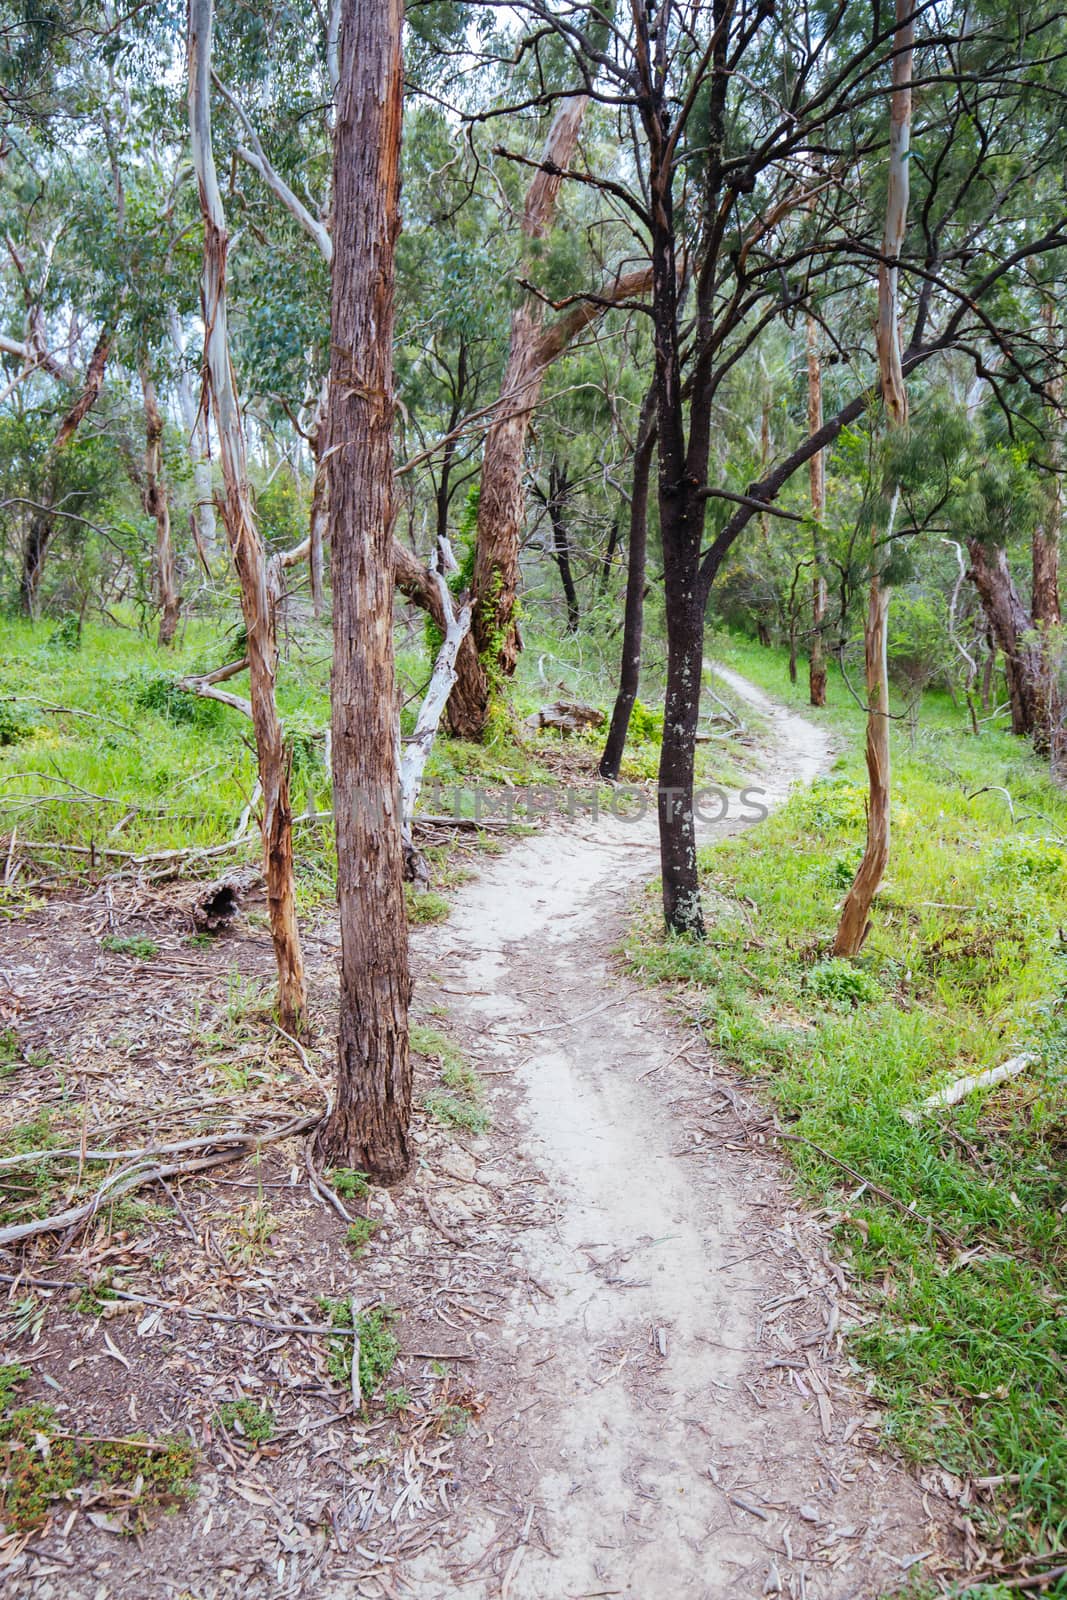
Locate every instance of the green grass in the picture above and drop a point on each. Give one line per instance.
(143, 949)
(458, 1101)
(359, 1235)
(965, 966)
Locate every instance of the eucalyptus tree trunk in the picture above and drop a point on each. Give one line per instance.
(490, 652)
(258, 596)
(561, 546)
(42, 526)
(1012, 631)
(855, 913)
(195, 425)
(368, 1126)
(633, 613)
(1045, 602)
(817, 488)
(156, 504)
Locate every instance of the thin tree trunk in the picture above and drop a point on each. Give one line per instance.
(561, 550)
(195, 427)
(817, 484)
(368, 1127)
(156, 504)
(42, 526)
(855, 914)
(633, 615)
(608, 560)
(258, 601)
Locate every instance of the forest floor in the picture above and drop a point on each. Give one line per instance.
(603, 1340)
(603, 1337)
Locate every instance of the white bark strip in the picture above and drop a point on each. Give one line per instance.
(417, 751)
(960, 1088)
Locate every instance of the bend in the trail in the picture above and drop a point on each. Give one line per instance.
(675, 1416)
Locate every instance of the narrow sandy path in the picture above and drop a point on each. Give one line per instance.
(675, 1416)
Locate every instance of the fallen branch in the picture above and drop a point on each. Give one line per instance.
(128, 1179)
(952, 1093)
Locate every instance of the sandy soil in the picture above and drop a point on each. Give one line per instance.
(681, 1420)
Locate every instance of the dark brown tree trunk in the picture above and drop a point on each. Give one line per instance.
(368, 1125)
(633, 616)
(817, 486)
(157, 506)
(561, 550)
(1011, 627)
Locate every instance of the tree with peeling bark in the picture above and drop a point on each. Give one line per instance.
(368, 1125)
(854, 926)
(258, 602)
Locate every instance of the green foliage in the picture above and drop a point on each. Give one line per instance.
(842, 985)
(44, 1465)
(359, 1235)
(349, 1184)
(143, 949)
(378, 1346)
(249, 1421)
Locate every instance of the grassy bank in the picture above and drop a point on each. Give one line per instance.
(966, 966)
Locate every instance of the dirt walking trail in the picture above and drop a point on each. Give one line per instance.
(680, 1419)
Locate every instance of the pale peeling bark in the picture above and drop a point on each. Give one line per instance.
(156, 504)
(257, 601)
(855, 913)
(417, 751)
(368, 1125)
(817, 494)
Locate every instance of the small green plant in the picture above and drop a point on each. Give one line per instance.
(843, 986)
(378, 1346)
(66, 635)
(201, 941)
(249, 1421)
(646, 725)
(396, 1401)
(94, 1296)
(360, 1234)
(143, 949)
(249, 1233)
(44, 1464)
(39, 1057)
(10, 1047)
(425, 905)
(349, 1184)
